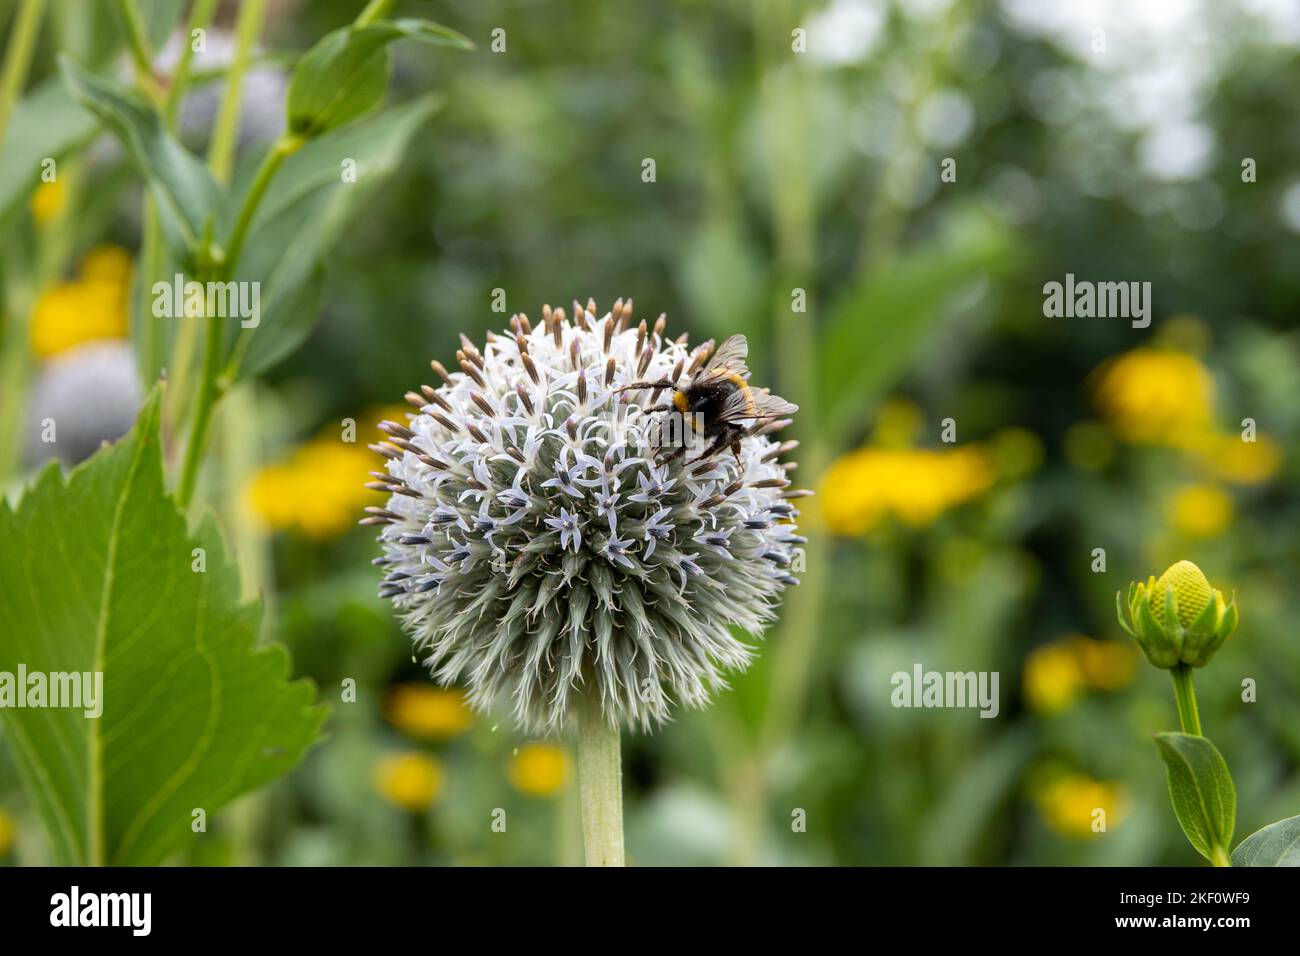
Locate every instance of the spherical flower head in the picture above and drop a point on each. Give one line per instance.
(1178, 619)
(546, 538)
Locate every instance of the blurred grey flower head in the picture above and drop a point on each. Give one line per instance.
(539, 543)
(88, 396)
(261, 116)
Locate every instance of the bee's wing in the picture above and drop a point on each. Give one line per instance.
(755, 404)
(729, 355)
(767, 405)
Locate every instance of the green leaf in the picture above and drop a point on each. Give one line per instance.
(1277, 844)
(188, 197)
(46, 124)
(346, 73)
(160, 18)
(875, 330)
(304, 215)
(1201, 790)
(98, 573)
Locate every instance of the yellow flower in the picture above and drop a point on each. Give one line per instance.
(431, 713)
(1228, 458)
(540, 770)
(1052, 678)
(7, 830)
(1155, 396)
(897, 423)
(1078, 806)
(912, 485)
(1105, 665)
(107, 264)
(319, 490)
(1200, 511)
(91, 307)
(49, 200)
(409, 780)
(1058, 673)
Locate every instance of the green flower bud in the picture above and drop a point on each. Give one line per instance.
(1178, 619)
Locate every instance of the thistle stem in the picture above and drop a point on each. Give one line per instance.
(600, 784)
(1185, 697)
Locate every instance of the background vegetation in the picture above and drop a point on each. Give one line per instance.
(1115, 155)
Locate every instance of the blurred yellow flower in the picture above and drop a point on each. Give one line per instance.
(409, 780)
(1076, 805)
(107, 264)
(912, 484)
(1200, 511)
(91, 307)
(1058, 673)
(1156, 396)
(431, 713)
(7, 830)
(1052, 678)
(897, 423)
(540, 770)
(49, 200)
(1227, 457)
(319, 490)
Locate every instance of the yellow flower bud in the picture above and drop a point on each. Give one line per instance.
(1178, 619)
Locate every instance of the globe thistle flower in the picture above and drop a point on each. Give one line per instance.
(105, 369)
(542, 543)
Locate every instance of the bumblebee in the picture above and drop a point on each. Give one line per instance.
(719, 395)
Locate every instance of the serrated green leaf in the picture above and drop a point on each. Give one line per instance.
(1201, 789)
(187, 195)
(875, 330)
(1277, 844)
(98, 574)
(45, 124)
(346, 73)
(301, 219)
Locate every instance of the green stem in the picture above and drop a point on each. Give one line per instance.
(151, 244)
(375, 10)
(785, 124)
(200, 17)
(15, 349)
(18, 57)
(1185, 698)
(1219, 856)
(600, 784)
(284, 147)
(203, 405)
(141, 55)
(221, 152)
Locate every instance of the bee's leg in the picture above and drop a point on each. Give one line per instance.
(662, 383)
(718, 443)
(735, 450)
(676, 453)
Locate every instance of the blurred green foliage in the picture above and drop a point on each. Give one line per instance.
(821, 171)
